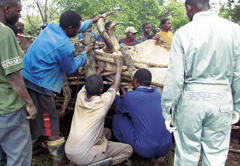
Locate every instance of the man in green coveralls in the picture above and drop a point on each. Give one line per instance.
(204, 66)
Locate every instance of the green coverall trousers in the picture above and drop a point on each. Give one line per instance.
(203, 121)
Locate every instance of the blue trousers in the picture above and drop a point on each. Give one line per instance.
(124, 131)
(15, 139)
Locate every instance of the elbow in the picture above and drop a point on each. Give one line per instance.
(70, 70)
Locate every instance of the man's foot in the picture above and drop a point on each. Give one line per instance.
(127, 162)
(60, 162)
(159, 161)
(40, 147)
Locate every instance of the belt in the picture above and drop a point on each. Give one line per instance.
(206, 88)
(205, 92)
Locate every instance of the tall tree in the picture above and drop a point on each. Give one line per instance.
(36, 12)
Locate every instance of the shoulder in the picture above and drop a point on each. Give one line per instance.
(131, 94)
(5, 32)
(157, 91)
(234, 26)
(170, 33)
(141, 38)
(121, 40)
(109, 95)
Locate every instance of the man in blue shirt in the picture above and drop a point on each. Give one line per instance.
(139, 121)
(46, 61)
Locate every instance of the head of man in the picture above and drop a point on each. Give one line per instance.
(165, 25)
(10, 11)
(131, 33)
(70, 22)
(94, 85)
(195, 6)
(146, 28)
(107, 25)
(142, 77)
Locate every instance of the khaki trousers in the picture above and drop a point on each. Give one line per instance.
(118, 151)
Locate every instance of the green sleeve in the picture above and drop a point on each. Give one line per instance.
(236, 73)
(10, 53)
(173, 84)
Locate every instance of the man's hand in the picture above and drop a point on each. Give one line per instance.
(32, 111)
(235, 117)
(170, 128)
(95, 19)
(88, 48)
(16, 82)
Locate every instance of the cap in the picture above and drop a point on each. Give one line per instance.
(131, 29)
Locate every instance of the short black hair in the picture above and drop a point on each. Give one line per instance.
(8, 2)
(94, 84)
(146, 23)
(108, 24)
(143, 77)
(199, 4)
(69, 19)
(163, 21)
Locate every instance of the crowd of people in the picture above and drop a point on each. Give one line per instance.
(200, 100)
(163, 35)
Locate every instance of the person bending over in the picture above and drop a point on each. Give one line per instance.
(87, 141)
(138, 120)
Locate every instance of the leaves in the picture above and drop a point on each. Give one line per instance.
(231, 10)
(133, 12)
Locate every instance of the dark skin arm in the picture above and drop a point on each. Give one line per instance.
(95, 19)
(101, 66)
(16, 82)
(117, 78)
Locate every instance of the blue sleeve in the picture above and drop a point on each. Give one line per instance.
(67, 62)
(95, 35)
(120, 105)
(80, 36)
(85, 25)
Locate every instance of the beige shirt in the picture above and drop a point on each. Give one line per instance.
(86, 136)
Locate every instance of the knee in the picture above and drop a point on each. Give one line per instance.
(128, 150)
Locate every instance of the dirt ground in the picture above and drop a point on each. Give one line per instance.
(232, 160)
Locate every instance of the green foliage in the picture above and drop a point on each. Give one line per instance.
(34, 28)
(176, 12)
(133, 12)
(231, 10)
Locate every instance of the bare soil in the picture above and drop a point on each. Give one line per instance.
(232, 160)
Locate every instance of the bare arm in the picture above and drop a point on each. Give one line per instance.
(117, 77)
(16, 82)
(95, 19)
(101, 66)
